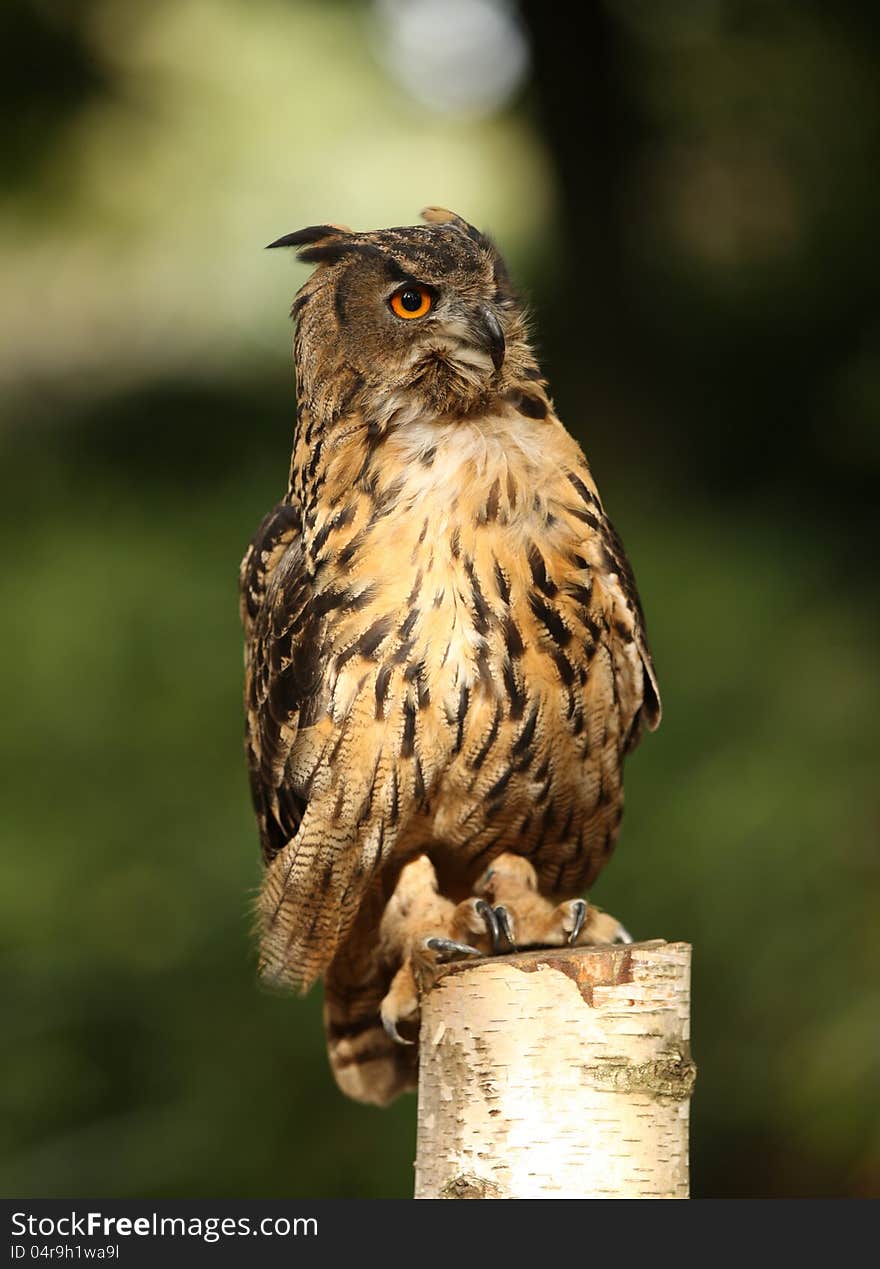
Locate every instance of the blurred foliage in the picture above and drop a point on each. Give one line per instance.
(690, 198)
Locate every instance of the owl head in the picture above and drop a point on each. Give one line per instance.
(423, 317)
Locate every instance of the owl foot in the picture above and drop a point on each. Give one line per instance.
(421, 930)
(526, 919)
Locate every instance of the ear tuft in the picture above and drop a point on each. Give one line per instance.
(311, 237)
(442, 216)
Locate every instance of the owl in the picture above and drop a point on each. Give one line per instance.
(445, 653)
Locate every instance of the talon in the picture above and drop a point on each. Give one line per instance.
(485, 910)
(579, 916)
(502, 916)
(390, 1026)
(448, 949)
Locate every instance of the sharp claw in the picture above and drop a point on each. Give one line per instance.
(390, 1025)
(579, 908)
(486, 911)
(449, 949)
(502, 916)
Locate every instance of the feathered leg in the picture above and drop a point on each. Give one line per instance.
(366, 1063)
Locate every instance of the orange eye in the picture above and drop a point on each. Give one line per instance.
(411, 301)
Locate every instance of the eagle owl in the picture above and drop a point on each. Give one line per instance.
(446, 659)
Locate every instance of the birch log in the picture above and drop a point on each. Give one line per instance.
(557, 1074)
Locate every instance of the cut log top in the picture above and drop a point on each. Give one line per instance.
(557, 1073)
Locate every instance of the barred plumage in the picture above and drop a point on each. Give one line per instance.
(445, 649)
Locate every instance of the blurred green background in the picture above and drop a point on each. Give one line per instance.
(689, 192)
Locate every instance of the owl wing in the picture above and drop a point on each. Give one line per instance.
(315, 870)
(618, 677)
(280, 674)
(641, 704)
(283, 686)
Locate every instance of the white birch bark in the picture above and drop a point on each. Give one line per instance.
(557, 1074)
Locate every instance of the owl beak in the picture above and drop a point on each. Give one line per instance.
(489, 335)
